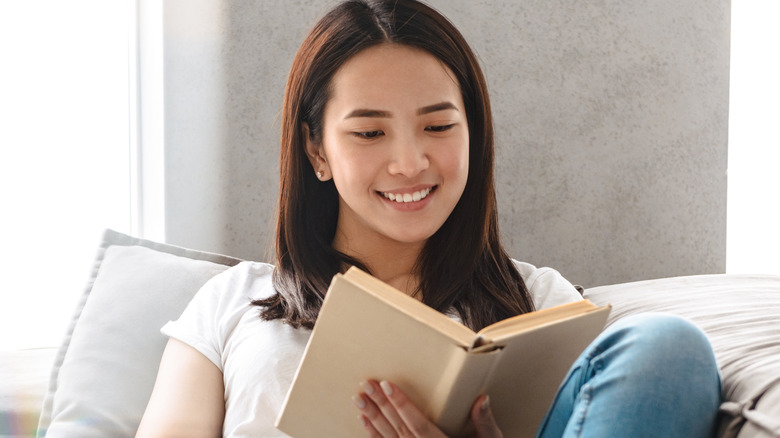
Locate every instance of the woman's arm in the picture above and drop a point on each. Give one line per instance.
(188, 398)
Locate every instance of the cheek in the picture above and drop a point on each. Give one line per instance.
(455, 158)
(349, 166)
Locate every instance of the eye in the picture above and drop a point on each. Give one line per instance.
(439, 128)
(368, 134)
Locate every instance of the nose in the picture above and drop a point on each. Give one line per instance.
(409, 158)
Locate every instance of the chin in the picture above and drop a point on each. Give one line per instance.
(403, 236)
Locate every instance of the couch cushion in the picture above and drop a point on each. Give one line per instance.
(740, 315)
(105, 369)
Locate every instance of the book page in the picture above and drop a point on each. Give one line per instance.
(525, 321)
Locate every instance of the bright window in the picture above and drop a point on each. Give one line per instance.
(753, 239)
(64, 160)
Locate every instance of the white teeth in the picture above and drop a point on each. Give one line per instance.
(407, 197)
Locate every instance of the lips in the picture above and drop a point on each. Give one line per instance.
(408, 197)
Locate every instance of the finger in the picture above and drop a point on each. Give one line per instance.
(377, 410)
(372, 432)
(483, 419)
(414, 421)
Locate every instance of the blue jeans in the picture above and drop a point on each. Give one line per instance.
(649, 375)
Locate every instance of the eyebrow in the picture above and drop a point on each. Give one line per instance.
(364, 112)
(436, 107)
(367, 113)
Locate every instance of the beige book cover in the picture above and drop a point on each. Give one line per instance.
(370, 330)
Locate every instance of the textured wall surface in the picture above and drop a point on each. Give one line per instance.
(611, 123)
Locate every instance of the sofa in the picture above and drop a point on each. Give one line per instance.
(97, 382)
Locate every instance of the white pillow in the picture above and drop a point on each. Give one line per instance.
(105, 369)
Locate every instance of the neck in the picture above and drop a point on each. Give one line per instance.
(390, 261)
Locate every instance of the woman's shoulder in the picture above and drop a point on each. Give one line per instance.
(222, 311)
(222, 303)
(253, 280)
(547, 287)
(531, 274)
(246, 269)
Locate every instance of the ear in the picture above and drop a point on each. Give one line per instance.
(316, 154)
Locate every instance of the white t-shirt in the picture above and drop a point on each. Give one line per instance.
(258, 358)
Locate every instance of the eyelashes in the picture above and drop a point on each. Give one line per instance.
(368, 135)
(439, 128)
(371, 135)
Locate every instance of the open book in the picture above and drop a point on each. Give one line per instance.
(369, 330)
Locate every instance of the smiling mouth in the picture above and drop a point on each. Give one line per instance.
(408, 197)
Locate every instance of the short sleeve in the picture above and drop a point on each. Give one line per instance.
(547, 286)
(218, 308)
(197, 325)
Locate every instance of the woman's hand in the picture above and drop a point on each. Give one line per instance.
(385, 411)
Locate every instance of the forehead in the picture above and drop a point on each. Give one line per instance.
(393, 76)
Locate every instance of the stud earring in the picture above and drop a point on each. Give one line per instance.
(319, 174)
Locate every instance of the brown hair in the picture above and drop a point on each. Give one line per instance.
(462, 266)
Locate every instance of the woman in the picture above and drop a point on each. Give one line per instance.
(387, 164)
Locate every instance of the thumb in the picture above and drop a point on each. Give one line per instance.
(482, 416)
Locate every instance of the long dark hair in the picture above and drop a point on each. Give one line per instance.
(462, 266)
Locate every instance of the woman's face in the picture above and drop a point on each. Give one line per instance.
(396, 143)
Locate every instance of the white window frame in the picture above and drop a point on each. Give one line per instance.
(147, 116)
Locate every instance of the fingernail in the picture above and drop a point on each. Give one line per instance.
(359, 402)
(386, 387)
(368, 388)
(485, 404)
(363, 420)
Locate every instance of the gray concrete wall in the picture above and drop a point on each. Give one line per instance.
(611, 121)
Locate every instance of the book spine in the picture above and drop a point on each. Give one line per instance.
(459, 387)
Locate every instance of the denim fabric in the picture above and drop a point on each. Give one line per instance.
(649, 375)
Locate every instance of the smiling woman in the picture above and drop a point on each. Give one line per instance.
(64, 171)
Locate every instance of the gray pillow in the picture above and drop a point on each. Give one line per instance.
(741, 316)
(105, 369)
